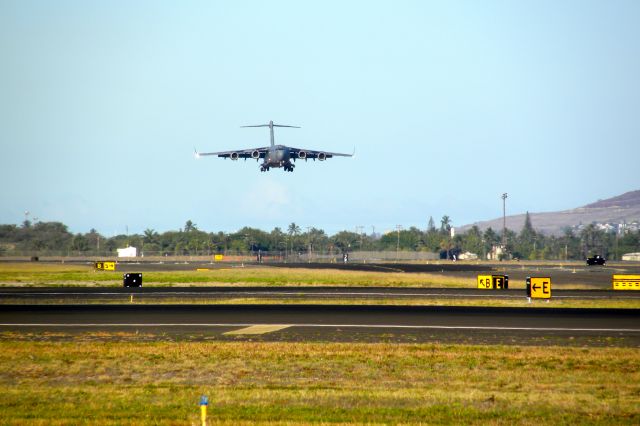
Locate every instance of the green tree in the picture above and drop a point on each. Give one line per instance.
(150, 236)
(408, 239)
(278, 240)
(472, 241)
(592, 241)
(317, 239)
(189, 226)
(445, 224)
(293, 230)
(94, 239)
(345, 241)
(48, 237)
(431, 226)
(526, 242)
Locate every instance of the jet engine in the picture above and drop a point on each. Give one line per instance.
(234, 156)
(322, 156)
(255, 154)
(302, 155)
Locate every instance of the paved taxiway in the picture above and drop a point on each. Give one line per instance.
(543, 320)
(117, 293)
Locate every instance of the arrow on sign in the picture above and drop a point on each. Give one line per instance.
(535, 287)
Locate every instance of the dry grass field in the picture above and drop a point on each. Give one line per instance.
(35, 274)
(69, 275)
(89, 381)
(100, 378)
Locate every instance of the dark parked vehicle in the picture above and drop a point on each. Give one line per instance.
(596, 260)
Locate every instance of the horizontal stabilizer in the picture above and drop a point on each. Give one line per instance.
(272, 125)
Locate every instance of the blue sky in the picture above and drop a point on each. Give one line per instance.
(448, 105)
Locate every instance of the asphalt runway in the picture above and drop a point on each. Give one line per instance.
(323, 322)
(204, 293)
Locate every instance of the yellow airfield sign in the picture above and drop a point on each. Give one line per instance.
(484, 281)
(106, 266)
(625, 282)
(218, 257)
(498, 282)
(539, 287)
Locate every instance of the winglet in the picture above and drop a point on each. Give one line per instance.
(196, 155)
(353, 154)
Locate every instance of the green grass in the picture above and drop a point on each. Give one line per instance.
(109, 383)
(80, 275)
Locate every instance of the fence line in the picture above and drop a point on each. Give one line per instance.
(266, 257)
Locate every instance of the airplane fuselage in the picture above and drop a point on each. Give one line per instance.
(277, 156)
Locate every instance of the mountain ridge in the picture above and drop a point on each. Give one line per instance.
(623, 208)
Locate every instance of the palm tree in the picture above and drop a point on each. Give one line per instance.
(190, 226)
(293, 230)
(445, 223)
(150, 235)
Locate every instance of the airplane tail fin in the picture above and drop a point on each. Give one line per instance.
(270, 125)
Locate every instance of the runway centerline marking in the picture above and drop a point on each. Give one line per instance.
(257, 329)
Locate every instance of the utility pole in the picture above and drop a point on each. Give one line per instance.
(504, 222)
(309, 243)
(398, 228)
(484, 250)
(360, 232)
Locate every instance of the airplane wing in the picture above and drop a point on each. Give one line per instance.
(253, 153)
(305, 154)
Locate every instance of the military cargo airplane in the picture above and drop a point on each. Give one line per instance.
(275, 155)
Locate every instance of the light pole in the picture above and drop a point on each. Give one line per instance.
(484, 250)
(398, 228)
(360, 232)
(504, 222)
(309, 244)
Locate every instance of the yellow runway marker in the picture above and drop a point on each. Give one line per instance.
(258, 329)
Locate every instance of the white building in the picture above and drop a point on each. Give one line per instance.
(631, 256)
(468, 256)
(127, 252)
(496, 253)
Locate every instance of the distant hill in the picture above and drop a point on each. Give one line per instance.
(624, 208)
(629, 199)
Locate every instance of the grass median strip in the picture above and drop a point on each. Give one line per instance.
(85, 275)
(52, 275)
(106, 383)
(391, 301)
